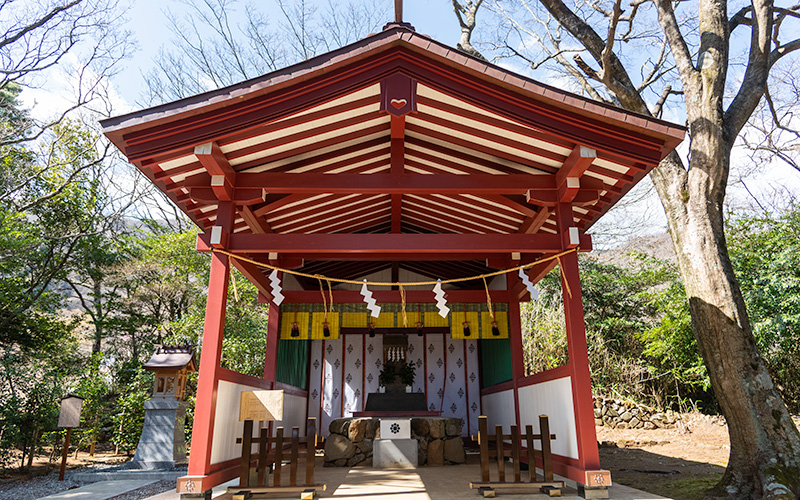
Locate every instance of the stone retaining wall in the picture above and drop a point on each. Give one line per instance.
(619, 414)
(350, 441)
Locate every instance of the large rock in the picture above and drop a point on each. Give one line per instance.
(338, 447)
(339, 426)
(365, 447)
(357, 430)
(372, 428)
(453, 427)
(420, 426)
(436, 452)
(454, 451)
(357, 459)
(437, 429)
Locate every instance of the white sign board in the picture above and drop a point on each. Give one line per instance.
(70, 415)
(261, 405)
(396, 429)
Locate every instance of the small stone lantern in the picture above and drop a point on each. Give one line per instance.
(163, 443)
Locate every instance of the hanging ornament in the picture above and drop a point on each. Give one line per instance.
(275, 281)
(527, 282)
(295, 329)
(441, 302)
(374, 309)
(326, 330)
(495, 329)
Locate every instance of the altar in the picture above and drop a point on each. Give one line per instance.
(351, 441)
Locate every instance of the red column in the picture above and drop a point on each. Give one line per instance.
(273, 337)
(588, 457)
(213, 331)
(515, 333)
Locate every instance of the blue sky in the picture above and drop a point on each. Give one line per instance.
(148, 22)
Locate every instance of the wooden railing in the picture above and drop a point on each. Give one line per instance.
(270, 455)
(487, 487)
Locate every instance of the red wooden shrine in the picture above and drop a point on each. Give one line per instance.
(397, 158)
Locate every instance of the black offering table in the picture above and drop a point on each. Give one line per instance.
(394, 401)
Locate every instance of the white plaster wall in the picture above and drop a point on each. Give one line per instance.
(499, 410)
(554, 399)
(227, 427)
(294, 414)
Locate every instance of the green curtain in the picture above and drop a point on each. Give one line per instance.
(495, 361)
(293, 363)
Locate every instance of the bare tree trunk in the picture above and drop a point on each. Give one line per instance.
(765, 444)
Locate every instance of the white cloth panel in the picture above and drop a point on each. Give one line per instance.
(473, 386)
(332, 388)
(353, 373)
(434, 371)
(416, 353)
(455, 388)
(373, 363)
(315, 385)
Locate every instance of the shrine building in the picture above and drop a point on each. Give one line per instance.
(403, 162)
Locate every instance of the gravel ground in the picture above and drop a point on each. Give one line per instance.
(47, 484)
(39, 486)
(147, 491)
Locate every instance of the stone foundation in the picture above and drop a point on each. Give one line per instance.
(350, 441)
(626, 415)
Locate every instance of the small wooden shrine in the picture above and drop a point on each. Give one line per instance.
(171, 365)
(449, 184)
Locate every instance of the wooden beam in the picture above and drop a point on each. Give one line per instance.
(404, 183)
(224, 191)
(568, 176)
(535, 273)
(256, 224)
(254, 275)
(365, 244)
(549, 198)
(223, 177)
(387, 296)
(533, 224)
(397, 159)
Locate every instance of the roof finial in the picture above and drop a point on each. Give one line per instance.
(398, 11)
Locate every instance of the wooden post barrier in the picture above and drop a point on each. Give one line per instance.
(272, 457)
(487, 487)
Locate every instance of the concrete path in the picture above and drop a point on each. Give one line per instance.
(100, 491)
(424, 483)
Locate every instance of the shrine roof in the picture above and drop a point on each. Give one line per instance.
(309, 149)
(172, 358)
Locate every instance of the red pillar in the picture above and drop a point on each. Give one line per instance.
(213, 331)
(515, 334)
(273, 337)
(588, 456)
